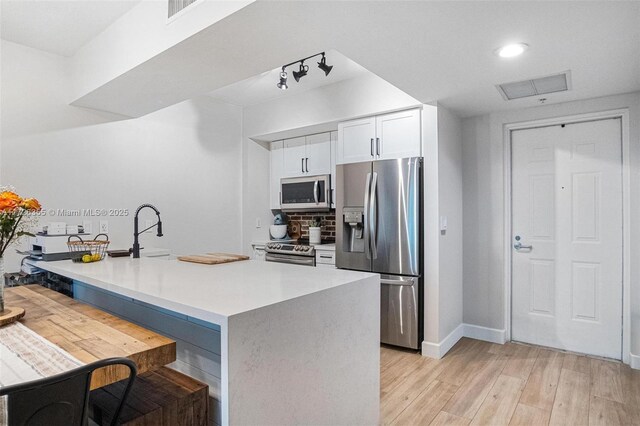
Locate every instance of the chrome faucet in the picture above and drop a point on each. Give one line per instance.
(136, 244)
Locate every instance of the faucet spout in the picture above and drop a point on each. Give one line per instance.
(136, 244)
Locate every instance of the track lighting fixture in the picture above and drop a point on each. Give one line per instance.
(323, 65)
(283, 80)
(302, 71)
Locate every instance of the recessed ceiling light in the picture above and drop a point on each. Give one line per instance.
(512, 50)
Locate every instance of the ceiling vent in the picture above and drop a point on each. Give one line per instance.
(535, 87)
(176, 6)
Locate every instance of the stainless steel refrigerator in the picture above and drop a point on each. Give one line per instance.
(379, 229)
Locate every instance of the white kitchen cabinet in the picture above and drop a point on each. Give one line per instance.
(355, 140)
(276, 172)
(334, 141)
(383, 137)
(258, 251)
(294, 156)
(307, 155)
(318, 154)
(398, 135)
(326, 255)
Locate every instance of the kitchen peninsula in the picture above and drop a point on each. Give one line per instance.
(278, 344)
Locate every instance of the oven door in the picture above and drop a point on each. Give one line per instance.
(293, 259)
(311, 193)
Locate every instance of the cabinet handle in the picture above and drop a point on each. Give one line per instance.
(302, 164)
(307, 165)
(378, 147)
(372, 147)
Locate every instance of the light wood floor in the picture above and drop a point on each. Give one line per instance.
(483, 383)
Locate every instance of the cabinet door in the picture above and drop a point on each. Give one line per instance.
(334, 142)
(276, 170)
(398, 135)
(355, 140)
(294, 155)
(258, 252)
(318, 154)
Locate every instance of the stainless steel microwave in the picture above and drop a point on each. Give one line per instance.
(311, 193)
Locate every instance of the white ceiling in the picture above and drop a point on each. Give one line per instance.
(262, 88)
(435, 51)
(58, 26)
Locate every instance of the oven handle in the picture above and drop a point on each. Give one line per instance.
(272, 257)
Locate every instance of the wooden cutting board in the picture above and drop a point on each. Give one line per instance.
(213, 258)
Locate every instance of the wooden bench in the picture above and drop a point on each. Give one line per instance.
(160, 397)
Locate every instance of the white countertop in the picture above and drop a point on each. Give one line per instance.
(208, 292)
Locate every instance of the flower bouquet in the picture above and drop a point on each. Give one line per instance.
(16, 219)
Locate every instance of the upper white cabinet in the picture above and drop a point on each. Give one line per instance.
(356, 140)
(304, 156)
(334, 142)
(383, 137)
(307, 155)
(294, 155)
(276, 171)
(318, 154)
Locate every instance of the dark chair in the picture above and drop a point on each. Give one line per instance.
(62, 399)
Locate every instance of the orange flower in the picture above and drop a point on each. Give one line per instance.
(9, 201)
(31, 204)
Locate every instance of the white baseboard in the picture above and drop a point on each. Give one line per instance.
(634, 361)
(493, 335)
(438, 350)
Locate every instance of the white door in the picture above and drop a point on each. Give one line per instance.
(318, 154)
(567, 205)
(356, 141)
(293, 158)
(398, 135)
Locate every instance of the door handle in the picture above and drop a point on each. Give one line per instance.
(378, 147)
(302, 164)
(372, 147)
(367, 218)
(307, 164)
(373, 219)
(519, 246)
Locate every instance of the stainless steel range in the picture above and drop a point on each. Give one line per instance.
(297, 254)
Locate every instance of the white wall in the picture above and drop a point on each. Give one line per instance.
(185, 159)
(450, 206)
(443, 308)
(138, 36)
(483, 165)
(365, 95)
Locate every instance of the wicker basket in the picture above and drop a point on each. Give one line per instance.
(95, 249)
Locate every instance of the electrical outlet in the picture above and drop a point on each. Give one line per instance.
(147, 224)
(104, 227)
(88, 226)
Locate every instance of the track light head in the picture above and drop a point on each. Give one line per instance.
(301, 72)
(323, 66)
(283, 81)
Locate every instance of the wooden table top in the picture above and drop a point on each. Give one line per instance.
(90, 334)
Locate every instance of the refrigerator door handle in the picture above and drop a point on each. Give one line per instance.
(367, 219)
(373, 219)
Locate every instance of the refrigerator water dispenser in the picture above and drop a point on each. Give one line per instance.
(353, 226)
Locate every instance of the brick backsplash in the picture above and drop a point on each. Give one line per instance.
(328, 224)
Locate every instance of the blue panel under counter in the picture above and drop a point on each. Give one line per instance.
(197, 341)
